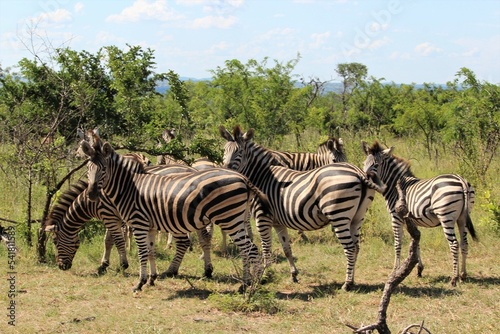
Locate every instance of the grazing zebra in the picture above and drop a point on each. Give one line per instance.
(177, 204)
(68, 217)
(73, 209)
(338, 194)
(440, 201)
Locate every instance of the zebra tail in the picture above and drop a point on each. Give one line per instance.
(468, 220)
(373, 181)
(470, 227)
(264, 200)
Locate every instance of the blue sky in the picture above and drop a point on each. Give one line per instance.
(402, 41)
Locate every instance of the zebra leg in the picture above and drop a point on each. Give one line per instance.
(397, 229)
(108, 244)
(190, 237)
(249, 253)
(128, 235)
(350, 251)
(170, 238)
(142, 237)
(264, 230)
(181, 246)
(284, 238)
(420, 265)
(224, 243)
(453, 243)
(464, 248)
(151, 256)
(205, 239)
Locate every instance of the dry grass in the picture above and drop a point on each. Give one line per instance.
(79, 301)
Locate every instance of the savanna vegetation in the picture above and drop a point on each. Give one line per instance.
(451, 127)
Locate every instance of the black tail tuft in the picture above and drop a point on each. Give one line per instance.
(470, 227)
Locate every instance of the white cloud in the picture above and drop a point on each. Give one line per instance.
(57, 16)
(145, 10)
(426, 49)
(214, 21)
(378, 43)
(78, 7)
(319, 39)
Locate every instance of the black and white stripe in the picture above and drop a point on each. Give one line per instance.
(444, 200)
(337, 194)
(74, 209)
(176, 204)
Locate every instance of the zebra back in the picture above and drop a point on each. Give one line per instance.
(328, 152)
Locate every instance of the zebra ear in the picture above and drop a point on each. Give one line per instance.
(225, 134)
(96, 131)
(388, 151)
(247, 136)
(107, 149)
(366, 147)
(335, 144)
(87, 149)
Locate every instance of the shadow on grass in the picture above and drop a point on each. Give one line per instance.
(486, 281)
(331, 289)
(200, 294)
(481, 280)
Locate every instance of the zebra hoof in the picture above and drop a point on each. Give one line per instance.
(348, 286)
(242, 289)
(138, 287)
(453, 282)
(419, 271)
(124, 266)
(208, 272)
(152, 279)
(102, 270)
(168, 274)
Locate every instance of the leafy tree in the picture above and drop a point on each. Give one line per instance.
(134, 84)
(255, 95)
(474, 122)
(352, 76)
(422, 114)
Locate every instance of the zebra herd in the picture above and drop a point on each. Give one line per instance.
(299, 191)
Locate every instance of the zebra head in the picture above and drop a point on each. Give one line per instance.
(232, 150)
(333, 148)
(97, 166)
(376, 156)
(66, 245)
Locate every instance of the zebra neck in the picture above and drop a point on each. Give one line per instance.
(121, 174)
(258, 162)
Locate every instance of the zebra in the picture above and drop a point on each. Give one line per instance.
(442, 200)
(338, 194)
(328, 152)
(198, 164)
(177, 204)
(164, 159)
(73, 209)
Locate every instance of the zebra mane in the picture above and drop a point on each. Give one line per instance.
(64, 202)
(131, 163)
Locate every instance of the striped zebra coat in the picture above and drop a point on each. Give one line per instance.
(336, 194)
(444, 200)
(74, 209)
(175, 204)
